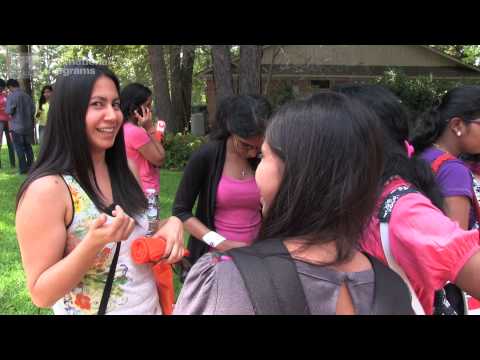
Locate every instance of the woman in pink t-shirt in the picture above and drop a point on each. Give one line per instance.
(143, 150)
(428, 247)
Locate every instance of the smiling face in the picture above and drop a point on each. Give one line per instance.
(104, 117)
(268, 176)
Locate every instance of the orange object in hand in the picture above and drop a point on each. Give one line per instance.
(158, 136)
(148, 249)
(151, 250)
(160, 130)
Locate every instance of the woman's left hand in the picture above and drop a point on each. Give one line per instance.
(172, 232)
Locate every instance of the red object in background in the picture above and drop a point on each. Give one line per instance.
(151, 250)
(160, 130)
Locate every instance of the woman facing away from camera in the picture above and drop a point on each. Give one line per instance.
(221, 175)
(80, 207)
(425, 244)
(440, 136)
(142, 148)
(318, 180)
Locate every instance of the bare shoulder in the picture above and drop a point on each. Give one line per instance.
(45, 189)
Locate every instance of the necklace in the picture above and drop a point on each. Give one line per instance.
(233, 146)
(244, 172)
(441, 148)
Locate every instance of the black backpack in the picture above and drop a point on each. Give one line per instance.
(274, 287)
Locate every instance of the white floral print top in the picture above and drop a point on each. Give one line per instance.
(133, 290)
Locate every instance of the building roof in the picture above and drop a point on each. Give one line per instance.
(444, 72)
(459, 69)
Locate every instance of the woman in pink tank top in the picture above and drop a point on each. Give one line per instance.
(221, 175)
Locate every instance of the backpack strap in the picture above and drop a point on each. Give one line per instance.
(271, 278)
(391, 294)
(384, 217)
(438, 162)
(475, 203)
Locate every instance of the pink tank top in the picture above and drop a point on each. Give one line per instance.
(237, 214)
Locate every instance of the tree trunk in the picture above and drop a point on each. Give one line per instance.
(222, 72)
(176, 88)
(163, 105)
(275, 52)
(250, 69)
(25, 78)
(187, 75)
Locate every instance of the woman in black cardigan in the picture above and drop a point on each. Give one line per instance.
(232, 152)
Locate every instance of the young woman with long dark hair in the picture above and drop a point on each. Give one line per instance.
(221, 174)
(146, 152)
(81, 207)
(318, 180)
(428, 247)
(42, 110)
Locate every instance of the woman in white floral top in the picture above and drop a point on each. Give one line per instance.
(81, 199)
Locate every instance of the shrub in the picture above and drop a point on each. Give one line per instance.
(178, 149)
(418, 93)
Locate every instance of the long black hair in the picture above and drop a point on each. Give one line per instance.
(65, 149)
(462, 102)
(394, 117)
(42, 100)
(131, 98)
(332, 151)
(242, 115)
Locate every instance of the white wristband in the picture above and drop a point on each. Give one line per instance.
(213, 239)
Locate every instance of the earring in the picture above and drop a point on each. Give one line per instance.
(459, 133)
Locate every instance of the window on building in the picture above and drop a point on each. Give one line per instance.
(320, 84)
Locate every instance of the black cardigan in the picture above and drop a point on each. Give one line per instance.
(200, 179)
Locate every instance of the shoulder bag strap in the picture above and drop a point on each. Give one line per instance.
(108, 285)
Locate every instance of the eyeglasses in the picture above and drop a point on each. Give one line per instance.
(246, 146)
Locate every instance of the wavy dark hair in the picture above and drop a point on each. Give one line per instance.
(65, 149)
(462, 102)
(42, 100)
(332, 151)
(242, 115)
(132, 96)
(394, 118)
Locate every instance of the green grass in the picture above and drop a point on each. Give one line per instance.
(14, 297)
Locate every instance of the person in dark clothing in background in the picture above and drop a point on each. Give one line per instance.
(21, 108)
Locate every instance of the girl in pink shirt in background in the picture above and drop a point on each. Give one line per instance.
(143, 150)
(428, 247)
(221, 175)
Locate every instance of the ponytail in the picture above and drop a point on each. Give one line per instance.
(428, 128)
